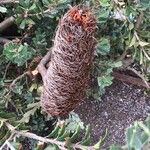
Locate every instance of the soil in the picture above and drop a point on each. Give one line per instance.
(120, 106)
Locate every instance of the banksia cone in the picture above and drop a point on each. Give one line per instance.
(68, 73)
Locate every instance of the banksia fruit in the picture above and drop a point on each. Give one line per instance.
(67, 76)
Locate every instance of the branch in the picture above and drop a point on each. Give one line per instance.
(42, 65)
(8, 1)
(60, 144)
(139, 75)
(129, 79)
(4, 40)
(6, 23)
(7, 66)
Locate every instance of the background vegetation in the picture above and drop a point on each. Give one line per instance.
(27, 29)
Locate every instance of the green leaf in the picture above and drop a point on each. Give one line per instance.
(18, 53)
(103, 47)
(97, 145)
(131, 26)
(46, 2)
(116, 64)
(54, 133)
(25, 3)
(61, 130)
(133, 41)
(133, 138)
(145, 128)
(39, 41)
(101, 140)
(86, 139)
(104, 3)
(103, 15)
(2, 121)
(34, 86)
(23, 24)
(33, 7)
(114, 147)
(64, 135)
(75, 134)
(141, 43)
(147, 122)
(105, 81)
(51, 147)
(28, 114)
(73, 121)
(29, 21)
(16, 145)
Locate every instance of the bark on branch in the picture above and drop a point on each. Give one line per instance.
(6, 23)
(130, 79)
(4, 40)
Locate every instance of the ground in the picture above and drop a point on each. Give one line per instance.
(120, 106)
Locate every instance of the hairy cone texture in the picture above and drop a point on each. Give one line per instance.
(68, 73)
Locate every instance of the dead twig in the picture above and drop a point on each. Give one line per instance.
(129, 79)
(4, 76)
(19, 77)
(6, 23)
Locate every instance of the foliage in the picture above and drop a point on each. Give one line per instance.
(123, 33)
(18, 53)
(121, 36)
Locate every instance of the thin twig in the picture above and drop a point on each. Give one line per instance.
(19, 77)
(14, 37)
(5, 143)
(40, 13)
(7, 66)
(6, 23)
(60, 144)
(8, 1)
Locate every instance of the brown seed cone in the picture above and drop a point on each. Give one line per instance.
(68, 73)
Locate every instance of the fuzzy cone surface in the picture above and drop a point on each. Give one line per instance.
(68, 73)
